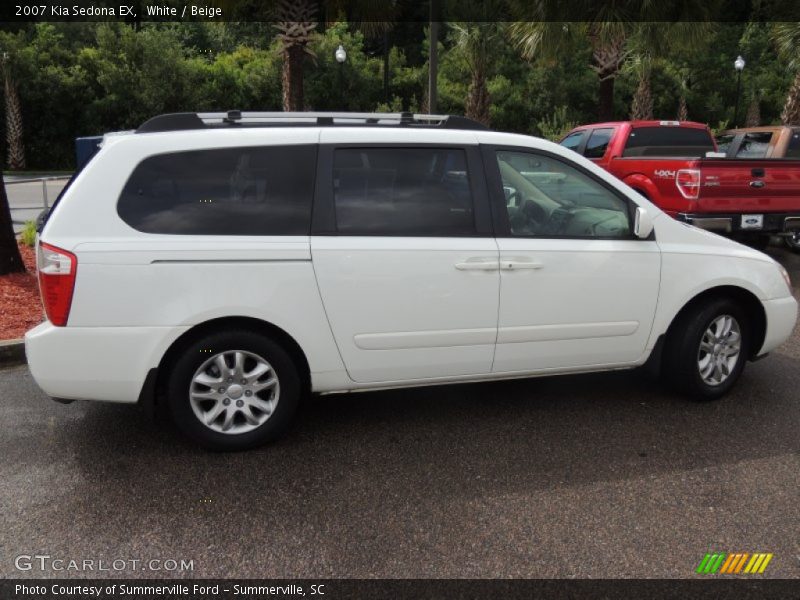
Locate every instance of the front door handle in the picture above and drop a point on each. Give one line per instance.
(757, 184)
(477, 263)
(519, 263)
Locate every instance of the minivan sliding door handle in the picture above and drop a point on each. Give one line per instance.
(514, 264)
(477, 263)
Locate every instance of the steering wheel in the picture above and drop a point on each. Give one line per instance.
(529, 217)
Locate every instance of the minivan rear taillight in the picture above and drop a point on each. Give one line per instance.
(57, 270)
(688, 182)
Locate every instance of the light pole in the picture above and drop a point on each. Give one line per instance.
(341, 56)
(738, 64)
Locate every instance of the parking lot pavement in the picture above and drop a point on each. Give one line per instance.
(603, 475)
(27, 199)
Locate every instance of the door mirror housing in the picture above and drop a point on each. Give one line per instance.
(642, 224)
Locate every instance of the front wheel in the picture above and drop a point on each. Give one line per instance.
(233, 390)
(792, 241)
(707, 349)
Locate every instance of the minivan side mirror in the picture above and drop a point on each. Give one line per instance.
(642, 224)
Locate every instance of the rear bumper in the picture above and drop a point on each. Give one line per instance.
(781, 318)
(95, 363)
(772, 223)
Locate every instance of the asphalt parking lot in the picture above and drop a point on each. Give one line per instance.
(581, 476)
(27, 197)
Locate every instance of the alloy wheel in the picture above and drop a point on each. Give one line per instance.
(234, 392)
(719, 350)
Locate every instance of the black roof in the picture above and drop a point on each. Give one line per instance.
(235, 118)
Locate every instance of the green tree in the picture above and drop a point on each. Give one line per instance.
(355, 84)
(787, 39)
(608, 30)
(652, 42)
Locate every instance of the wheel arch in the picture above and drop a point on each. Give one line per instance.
(210, 326)
(642, 185)
(746, 298)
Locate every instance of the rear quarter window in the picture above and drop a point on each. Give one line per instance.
(668, 141)
(598, 142)
(226, 191)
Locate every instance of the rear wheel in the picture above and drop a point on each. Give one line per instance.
(233, 390)
(707, 349)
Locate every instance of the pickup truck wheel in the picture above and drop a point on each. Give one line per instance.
(233, 390)
(707, 349)
(793, 241)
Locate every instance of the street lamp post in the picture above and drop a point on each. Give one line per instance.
(738, 64)
(341, 56)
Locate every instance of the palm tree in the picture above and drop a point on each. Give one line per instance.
(16, 146)
(607, 40)
(642, 103)
(476, 42)
(683, 109)
(679, 73)
(296, 22)
(10, 259)
(786, 37)
(613, 31)
(753, 118)
(650, 42)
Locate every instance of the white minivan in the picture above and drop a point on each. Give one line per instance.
(224, 264)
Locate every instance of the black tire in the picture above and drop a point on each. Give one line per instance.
(681, 353)
(184, 368)
(793, 241)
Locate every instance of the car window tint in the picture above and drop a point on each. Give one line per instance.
(547, 197)
(230, 191)
(597, 143)
(754, 145)
(402, 192)
(573, 140)
(668, 141)
(793, 149)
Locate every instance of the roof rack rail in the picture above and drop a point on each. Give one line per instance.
(236, 118)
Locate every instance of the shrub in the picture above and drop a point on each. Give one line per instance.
(28, 235)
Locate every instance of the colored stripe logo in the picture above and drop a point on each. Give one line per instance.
(734, 563)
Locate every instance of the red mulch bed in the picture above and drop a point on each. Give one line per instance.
(20, 307)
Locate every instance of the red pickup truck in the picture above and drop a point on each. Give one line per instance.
(665, 161)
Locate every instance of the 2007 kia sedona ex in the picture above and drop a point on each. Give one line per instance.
(227, 263)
